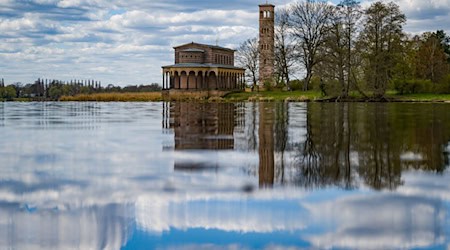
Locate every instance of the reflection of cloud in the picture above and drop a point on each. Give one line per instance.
(381, 221)
(88, 228)
(263, 212)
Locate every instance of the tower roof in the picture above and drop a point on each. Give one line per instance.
(267, 5)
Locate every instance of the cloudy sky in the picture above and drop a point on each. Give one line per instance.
(127, 41)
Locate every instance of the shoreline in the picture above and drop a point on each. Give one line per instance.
(263, 96)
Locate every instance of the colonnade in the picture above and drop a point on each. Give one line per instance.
(221, 79)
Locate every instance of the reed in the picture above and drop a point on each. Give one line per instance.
(115, 97)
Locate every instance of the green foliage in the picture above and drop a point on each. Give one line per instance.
(315, 83)
(55, 92)
(414, 86)
(7, 93)
(443, 87)
(268, 85)
(296, 85)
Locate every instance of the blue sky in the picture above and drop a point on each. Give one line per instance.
(127, 41)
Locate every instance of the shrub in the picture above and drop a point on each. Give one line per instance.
(296, 85)
(268, 85)
(443, 87)
(413, 86)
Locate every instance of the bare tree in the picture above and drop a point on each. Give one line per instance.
(309, 22)
(284, 47)
(247, 57)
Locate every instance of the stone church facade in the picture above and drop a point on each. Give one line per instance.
(203, 67)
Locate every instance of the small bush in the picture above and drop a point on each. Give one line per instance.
(268, 85)
(443, 87)
(296, 85)
(413, 86)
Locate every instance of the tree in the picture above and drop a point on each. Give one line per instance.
(350, 12)
(309, 22)
(445, 41)
(381, 39)
(431, 58)
(247, 57)
(284, 47)
(8, 92)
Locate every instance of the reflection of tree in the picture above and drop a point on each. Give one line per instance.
(373, 141)
(252, 139)
(325, 154)
(379, 152)
(281, 137)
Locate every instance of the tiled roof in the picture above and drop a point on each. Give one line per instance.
(201, 65)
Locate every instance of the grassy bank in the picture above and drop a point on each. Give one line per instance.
(276, 95)
(114, 97)
(293, 96)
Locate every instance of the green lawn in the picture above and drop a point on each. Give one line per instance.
(276, 95)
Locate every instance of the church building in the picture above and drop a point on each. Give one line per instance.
(203, 67)
(208, 67)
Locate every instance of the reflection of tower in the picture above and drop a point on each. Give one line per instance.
(266, 145)
(202, 126)
(266, 42)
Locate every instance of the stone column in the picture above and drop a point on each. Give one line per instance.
(163, 80)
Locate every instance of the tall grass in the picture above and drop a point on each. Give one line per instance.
(114, 97)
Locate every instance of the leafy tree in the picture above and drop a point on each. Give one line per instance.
(445, 41)
(431, 58)
(381, 39)
(8, 92)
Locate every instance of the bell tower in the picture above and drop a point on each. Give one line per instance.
(266, 43)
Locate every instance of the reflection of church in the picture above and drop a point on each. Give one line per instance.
(201, 126)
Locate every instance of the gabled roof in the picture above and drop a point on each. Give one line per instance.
(205, 45)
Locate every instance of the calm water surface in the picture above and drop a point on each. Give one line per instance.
(224, 176)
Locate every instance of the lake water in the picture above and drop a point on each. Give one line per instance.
(224, 176)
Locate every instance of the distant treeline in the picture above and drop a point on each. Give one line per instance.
(45, 89)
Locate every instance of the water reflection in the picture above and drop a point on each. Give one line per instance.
(202, 126)
(373, 144)
(261, 175)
